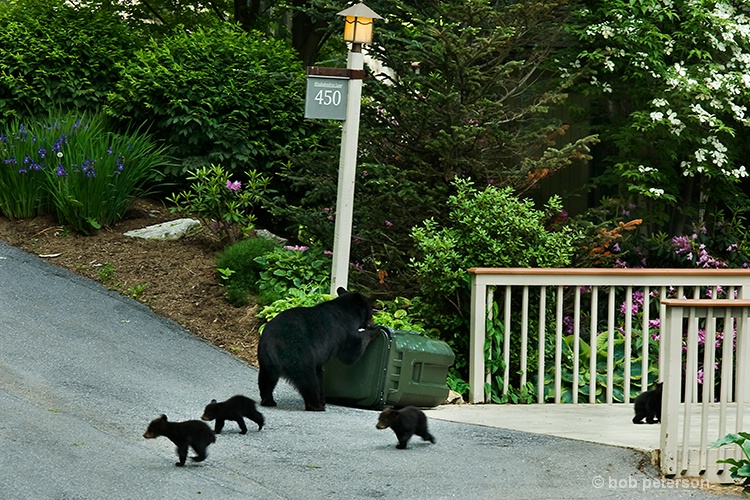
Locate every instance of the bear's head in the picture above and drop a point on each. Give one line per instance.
(209, 413)
(387, 418)
(156, 428)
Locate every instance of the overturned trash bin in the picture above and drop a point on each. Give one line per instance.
(399, 368)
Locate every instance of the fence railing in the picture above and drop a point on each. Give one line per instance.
(556, 317)
(692, 420)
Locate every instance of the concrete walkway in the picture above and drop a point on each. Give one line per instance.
(594, 423)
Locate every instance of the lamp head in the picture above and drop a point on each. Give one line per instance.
(358, 23)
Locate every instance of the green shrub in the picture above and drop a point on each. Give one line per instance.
(399, 314)
(292, 267)
(740, 469)
(293, 298)
(239, 258)
(59, 56)
(217, 95)
(487, 228)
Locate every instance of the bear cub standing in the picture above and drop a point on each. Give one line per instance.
(234, 408)
(299, 341)
(648, 405)
(191, 433)
(405, 423)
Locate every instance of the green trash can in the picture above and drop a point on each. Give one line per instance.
(398, 368)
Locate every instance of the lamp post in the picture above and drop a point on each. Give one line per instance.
(357, 31)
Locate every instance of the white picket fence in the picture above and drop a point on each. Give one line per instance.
(541, 310)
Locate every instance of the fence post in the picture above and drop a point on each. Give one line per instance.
(671, 390)
(477, 335)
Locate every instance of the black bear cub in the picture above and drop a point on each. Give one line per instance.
(648, 405)
(234, 408)
(299, 341)
(405, 423)
(191, 433)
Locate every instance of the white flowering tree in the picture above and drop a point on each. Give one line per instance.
(670, 81)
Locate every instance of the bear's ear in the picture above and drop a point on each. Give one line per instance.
(213, 401)
(163, 417)
(341, 291)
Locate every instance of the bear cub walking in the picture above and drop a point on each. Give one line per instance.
(191, 433)
(234, 408)
(648, 405)
(405, 423)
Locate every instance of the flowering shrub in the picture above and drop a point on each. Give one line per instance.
(220, 203)
(670, 80)
(22, 181)
(74, 166)
(721, 242)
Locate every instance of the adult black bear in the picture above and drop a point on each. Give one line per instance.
(648, 405)
(234, 408)
(299, 341)
(192, 433)
(405, 423)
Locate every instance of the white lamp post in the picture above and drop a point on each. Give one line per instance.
(357, 31)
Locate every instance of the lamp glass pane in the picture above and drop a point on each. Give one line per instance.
(358, 29)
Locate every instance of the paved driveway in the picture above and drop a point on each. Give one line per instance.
(83, 370)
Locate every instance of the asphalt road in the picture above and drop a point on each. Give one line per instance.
(83, 370)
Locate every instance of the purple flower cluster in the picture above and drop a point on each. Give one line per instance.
(88, 169)
(636, 304)
(686, 246)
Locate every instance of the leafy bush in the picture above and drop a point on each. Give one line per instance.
(57, 56)
(239, 258)
(739, 468)
(292, 267)
(217, 95)
(488, 228)
(89, 175)
(220, 203)
(400, 313)
(294, 297)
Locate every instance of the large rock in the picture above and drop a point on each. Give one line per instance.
(170, 230)
(265, 233)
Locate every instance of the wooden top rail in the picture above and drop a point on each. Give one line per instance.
(706, 302)
(745, 273)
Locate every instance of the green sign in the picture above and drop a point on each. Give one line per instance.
(326, 97)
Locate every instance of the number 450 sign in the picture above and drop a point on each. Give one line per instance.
(326, 97)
